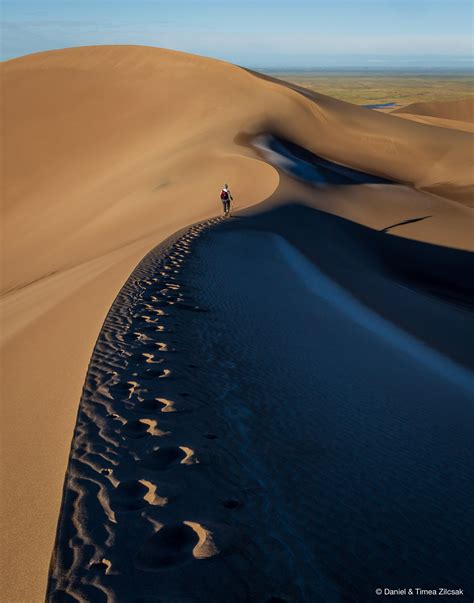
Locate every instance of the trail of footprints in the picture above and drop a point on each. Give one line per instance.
(125, 463)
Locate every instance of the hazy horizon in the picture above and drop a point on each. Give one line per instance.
(463, 65)
(383, 34)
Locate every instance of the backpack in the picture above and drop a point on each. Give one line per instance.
(224, 195)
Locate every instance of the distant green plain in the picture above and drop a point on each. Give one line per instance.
(378, 88)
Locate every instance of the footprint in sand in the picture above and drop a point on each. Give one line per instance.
(176, 544)
(148, 405)
(140, 336)
(136, 357)
(153, 321)
(122, 389)
(128, 337)
(136, 494)
(169, 456)
(153, 428)
(155, 328)
(151, 309)
(150, 358)
(135, 429)
(150, 299)
(155, 374)
(103, 566)
(156, 405)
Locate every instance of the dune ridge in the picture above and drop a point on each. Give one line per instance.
(457, 110)
(113, 149)
(457, 114)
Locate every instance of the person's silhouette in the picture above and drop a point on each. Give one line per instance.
(226, 198)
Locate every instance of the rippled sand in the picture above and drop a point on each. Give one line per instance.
(309, 457)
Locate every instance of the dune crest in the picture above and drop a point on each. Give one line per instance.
(457, 110)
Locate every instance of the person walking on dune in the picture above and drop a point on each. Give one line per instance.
(226, 198)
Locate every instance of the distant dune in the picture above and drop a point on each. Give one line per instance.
(456, 114)
(459, 110)
(109, 150)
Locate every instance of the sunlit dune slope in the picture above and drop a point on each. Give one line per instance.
(456, 115)
(108, 150)
(458, 110)
(442, 122)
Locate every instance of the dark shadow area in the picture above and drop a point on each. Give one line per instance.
(308, 167)
(410, 221)
(371, 448)
(425, 289)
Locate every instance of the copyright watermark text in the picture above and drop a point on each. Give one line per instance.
(436, 592)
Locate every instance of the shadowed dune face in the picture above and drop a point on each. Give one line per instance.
(111, 150)
(308, 419)
(303, 165)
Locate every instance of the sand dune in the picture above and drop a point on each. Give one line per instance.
(442, 122)
(457, 115)
(458, 110)
(109, 151)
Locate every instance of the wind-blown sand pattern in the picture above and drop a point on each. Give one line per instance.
(229, 410)
(131, 476)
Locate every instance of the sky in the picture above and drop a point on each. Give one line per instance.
(254, 33)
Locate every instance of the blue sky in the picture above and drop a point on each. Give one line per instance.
(257, 33)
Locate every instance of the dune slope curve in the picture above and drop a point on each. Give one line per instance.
(456, 114)
(457, 110)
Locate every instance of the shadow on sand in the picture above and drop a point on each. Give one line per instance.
(423, 288)
(308, 167)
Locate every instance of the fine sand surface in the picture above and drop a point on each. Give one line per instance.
(110, 151)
